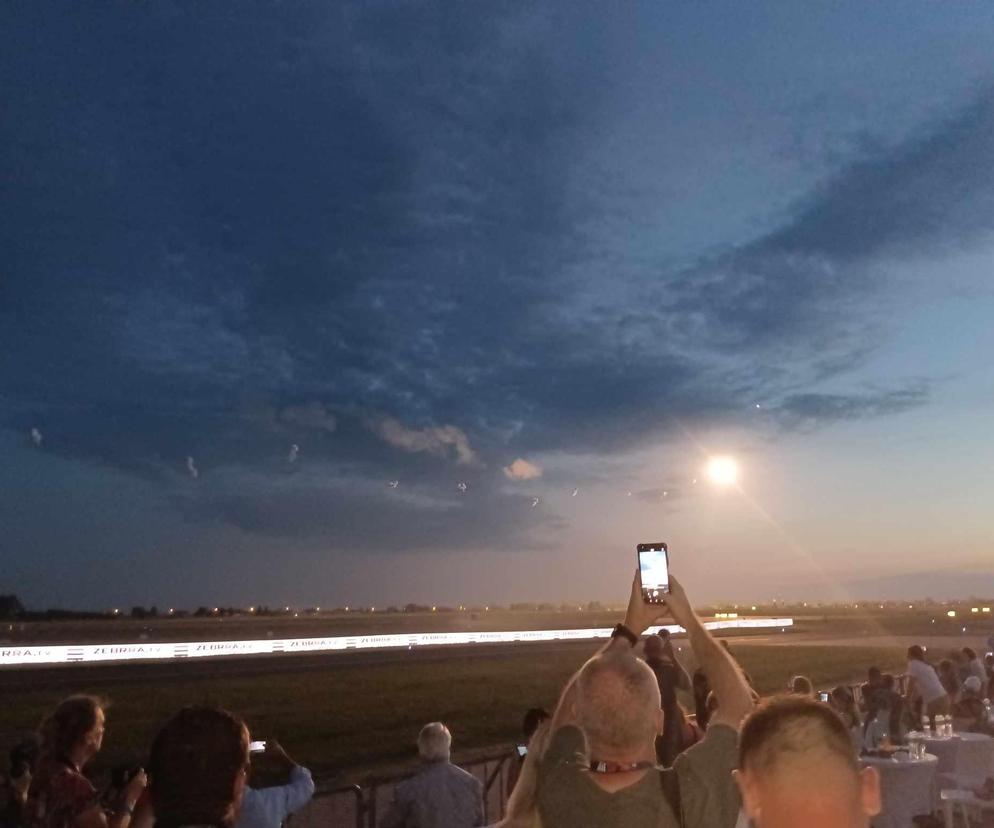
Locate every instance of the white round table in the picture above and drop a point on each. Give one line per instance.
(907, 788)
(963, 755)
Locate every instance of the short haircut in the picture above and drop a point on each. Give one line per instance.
(916, 652)
(970, 653)
(802, 685)
(434, 742)
(617, 699)
(791, 732)
(873, 672)
(65, 727)
(194, 764)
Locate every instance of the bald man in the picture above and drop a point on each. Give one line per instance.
(797, 766)
(599, 770)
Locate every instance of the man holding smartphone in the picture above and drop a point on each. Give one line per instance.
(600, 767)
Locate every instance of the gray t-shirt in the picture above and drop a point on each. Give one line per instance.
(569, 798)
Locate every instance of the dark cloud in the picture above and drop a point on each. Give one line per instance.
(801, 292)
(800, 411)
(356, 213)
(375, 518)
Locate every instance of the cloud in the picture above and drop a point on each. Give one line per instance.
(806, 289)
(294, 453)
(437, 440)
(350, 514)
(191, 468)
(659, 494)
(35, 436)
(521, 469)
(312, 415)
(802, 411)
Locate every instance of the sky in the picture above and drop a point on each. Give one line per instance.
(365, 303)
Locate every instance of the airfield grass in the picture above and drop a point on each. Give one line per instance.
(350, 721)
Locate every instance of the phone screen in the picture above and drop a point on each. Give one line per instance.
(522, 750)
(823, 696)
(257, 747)
(654, 572)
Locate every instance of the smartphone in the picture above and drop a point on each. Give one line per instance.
(257, 747)
(654, 572)
(823, 697)
(522, 751)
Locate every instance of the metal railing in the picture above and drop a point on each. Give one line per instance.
(359, 805)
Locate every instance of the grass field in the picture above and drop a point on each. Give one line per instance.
(351, 720)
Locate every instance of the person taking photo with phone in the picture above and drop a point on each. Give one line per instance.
(600, 766)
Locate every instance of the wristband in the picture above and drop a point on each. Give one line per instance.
(621, 631)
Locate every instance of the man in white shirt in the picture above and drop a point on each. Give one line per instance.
(269, 807)
(923, 683)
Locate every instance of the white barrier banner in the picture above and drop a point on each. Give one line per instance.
(72, 654)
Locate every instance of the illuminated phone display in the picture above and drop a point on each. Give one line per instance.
(654, 572)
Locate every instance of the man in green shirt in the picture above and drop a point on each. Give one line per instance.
(599, 770)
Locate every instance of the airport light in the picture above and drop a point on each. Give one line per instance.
(986, 609)
(951, 613)
(974, 609)
(753, 609)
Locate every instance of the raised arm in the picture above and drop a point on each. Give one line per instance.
(638, 618)
(724, 675)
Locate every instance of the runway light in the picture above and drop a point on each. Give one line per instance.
(974, 609)
(951, 613)
(986, 609)
(753, 609)
(723, 471)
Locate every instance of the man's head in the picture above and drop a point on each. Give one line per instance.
(797, 766)
(617, 707)
(916, 653)
(653, 646)
(802, 686)
(198, 768)
(969, 654)
(873, 675)
(434, 742)
(972, 687)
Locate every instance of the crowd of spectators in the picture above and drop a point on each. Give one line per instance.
(619, 749)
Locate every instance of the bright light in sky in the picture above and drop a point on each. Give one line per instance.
(723, 471)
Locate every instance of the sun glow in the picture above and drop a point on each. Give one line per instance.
(723, 471)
